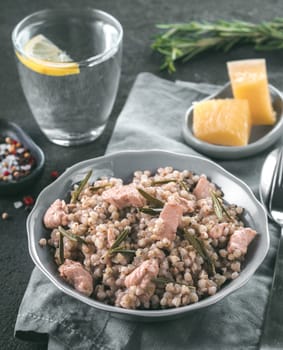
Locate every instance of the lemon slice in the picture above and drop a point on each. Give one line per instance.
(44, 57)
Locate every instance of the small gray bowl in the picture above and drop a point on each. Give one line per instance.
(9, 129)
(122, 165)
(261, 137)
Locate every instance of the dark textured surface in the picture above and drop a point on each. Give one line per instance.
(138, 19)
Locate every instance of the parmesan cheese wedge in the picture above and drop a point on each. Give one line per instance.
(224, 122)
(249, 81)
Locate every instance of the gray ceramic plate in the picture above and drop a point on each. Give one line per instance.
(261, 136)
(123, 165)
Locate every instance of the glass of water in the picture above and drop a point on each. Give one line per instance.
(69, 63)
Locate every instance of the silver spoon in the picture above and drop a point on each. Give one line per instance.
(270, 195)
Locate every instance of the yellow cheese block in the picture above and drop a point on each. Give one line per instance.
(222, 121)
(249, 81)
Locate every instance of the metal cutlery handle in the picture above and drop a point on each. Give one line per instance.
(272, 335)
(276, 191)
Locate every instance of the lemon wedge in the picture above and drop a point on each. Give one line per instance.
(44, 57)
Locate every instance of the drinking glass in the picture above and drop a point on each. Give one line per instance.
(69, 63)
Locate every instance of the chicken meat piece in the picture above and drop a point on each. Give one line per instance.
(74, 273)
(124, 196)
(203, 188)
(143, 274)
(56, 214)
(240, 240)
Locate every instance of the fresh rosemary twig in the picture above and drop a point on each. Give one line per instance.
(182, 183)
(162, 182)
(150, 211)
(158, 204)
(122, 236)
(61, 249)
(76, 193)
(185, 40)
(218, 206)
(71, 236)
(122, 251)
(96, 188)
(201, 250)
(116, 248)
(164, 280)
(152, 200)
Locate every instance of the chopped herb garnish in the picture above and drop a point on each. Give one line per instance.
(122, 236)
(201, 250)
(150, 211)
(184, 185)
(71, 236)
(152, 200)
(162, 182)
(77, 192)
(164, 280)
(122, 251)
(193, 240)
(96, 188)
(61, 249)
(218, 206)
(116, 248)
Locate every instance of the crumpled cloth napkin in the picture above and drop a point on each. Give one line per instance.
(151, 119)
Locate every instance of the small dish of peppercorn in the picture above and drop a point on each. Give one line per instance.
(21, 160)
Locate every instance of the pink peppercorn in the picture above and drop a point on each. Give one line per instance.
(28, 201)
(54, 174)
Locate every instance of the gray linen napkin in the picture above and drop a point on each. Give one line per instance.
(151, 119)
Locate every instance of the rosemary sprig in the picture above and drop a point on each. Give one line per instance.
(71, 236)
(122, 236)
(184, 185)
(201, 250)
(150, 211)
(116, 248)
(162, 182)
(166, 181)
(61, 249)
(96, 188)
(122, 251)
(183, 41)
(76, 193)
(152, 200)
(164, 280)
(218, 206)
(158, 204)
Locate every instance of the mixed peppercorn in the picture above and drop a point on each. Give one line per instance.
(16, 161)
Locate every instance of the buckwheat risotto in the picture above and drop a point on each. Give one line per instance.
(166, 239)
